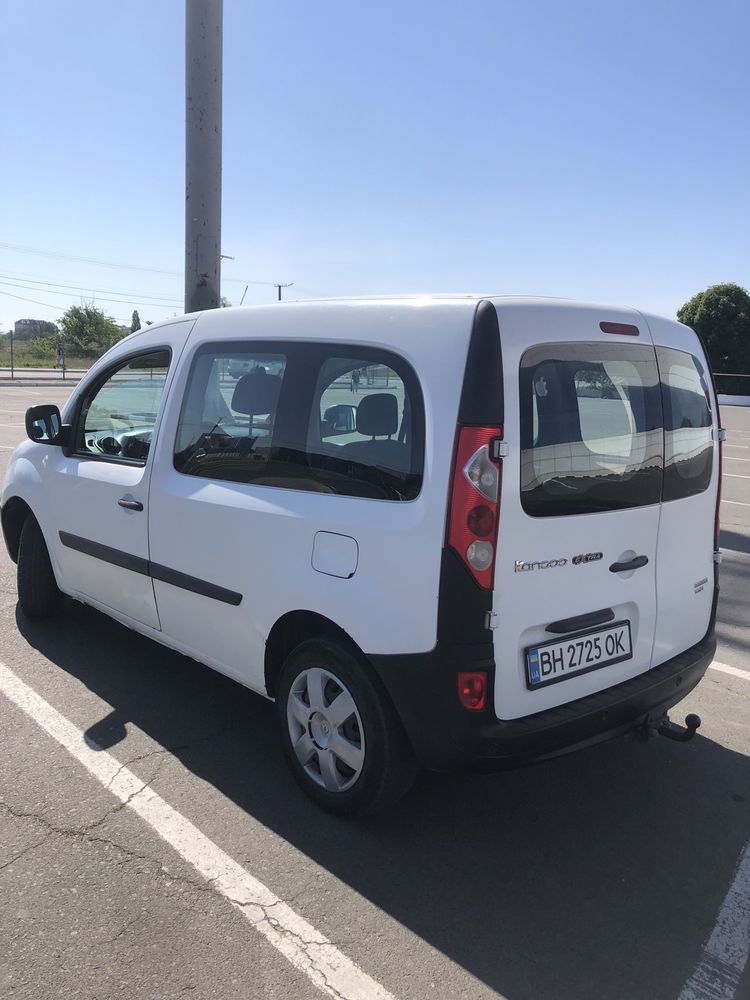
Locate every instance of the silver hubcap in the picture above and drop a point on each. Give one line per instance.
(325, 729)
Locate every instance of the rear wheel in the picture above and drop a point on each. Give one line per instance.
(38, 593)
(341, 735)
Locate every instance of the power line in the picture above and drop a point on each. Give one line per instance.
(108, 263)
(123, 302)
(49, 305)
(128, 296)
(83, 260)
(24, 299)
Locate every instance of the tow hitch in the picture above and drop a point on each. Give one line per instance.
(674, 732)
(665, 727)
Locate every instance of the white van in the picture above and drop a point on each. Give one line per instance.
(466, 532)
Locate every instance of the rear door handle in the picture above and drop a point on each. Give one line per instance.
(623, 567)
(130, 504)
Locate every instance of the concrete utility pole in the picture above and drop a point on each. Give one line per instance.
(203, 71)
(279, 287)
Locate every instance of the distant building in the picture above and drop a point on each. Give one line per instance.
(25, 329)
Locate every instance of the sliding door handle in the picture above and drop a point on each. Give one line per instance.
(623, 567)
(130, 504)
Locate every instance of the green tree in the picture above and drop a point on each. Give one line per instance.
(43, 347)
(87, 332)
(135, 323)
(721, 316)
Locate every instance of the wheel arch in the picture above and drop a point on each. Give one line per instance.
(14, 514)
(289, 631)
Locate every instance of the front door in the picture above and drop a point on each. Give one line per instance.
(100, 490)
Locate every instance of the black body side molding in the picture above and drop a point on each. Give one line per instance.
(147, 568)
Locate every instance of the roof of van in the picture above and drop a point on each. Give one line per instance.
(417, 299)
(429, 319)
(452, 302)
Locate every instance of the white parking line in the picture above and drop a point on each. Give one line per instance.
(733, 475)
(734, 671)
(731, 458)
(726, 952)
(737, 503)
(299, 942)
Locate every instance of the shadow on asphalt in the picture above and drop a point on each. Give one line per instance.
(596, 875)
(735, 541)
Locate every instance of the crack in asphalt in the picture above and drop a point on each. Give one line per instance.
(313, 949)
(120, 933)
(173, 749)
(26, 850)
(316, 955)
(83, 833)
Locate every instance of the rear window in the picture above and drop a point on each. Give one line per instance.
(591, 431)
(688, 441)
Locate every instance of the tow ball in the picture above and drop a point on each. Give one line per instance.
(674, 732)
(665, 727)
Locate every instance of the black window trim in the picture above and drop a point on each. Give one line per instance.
(93, 388)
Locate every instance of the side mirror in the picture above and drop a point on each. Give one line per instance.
(340, 419)
(44, 424)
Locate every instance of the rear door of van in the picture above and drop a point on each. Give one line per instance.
(576, 569)
(685, 552)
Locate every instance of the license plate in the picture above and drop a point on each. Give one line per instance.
(577, 654)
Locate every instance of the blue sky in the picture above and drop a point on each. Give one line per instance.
(587, 149)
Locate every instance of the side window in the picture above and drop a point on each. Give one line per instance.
(366, 430)
(117, 418)
(688, 442)
(312, 417)
(591, 430)
(228, 416)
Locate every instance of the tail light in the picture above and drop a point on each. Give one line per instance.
(474, 507)
(472, 689)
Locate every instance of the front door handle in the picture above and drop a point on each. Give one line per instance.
(623, 567)
(130, 504)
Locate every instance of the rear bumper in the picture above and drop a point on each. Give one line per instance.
(446, 737)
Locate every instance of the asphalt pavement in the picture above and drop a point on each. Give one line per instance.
(613, 874)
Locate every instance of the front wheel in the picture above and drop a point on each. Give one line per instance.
(343, 740)
(38, 593)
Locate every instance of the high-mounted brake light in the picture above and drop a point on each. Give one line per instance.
(625, 329)
(475, 501)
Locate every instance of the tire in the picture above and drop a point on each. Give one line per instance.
(38, 593)
(354, 760)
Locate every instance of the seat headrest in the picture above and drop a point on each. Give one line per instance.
(377, 414)
(257, 392)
